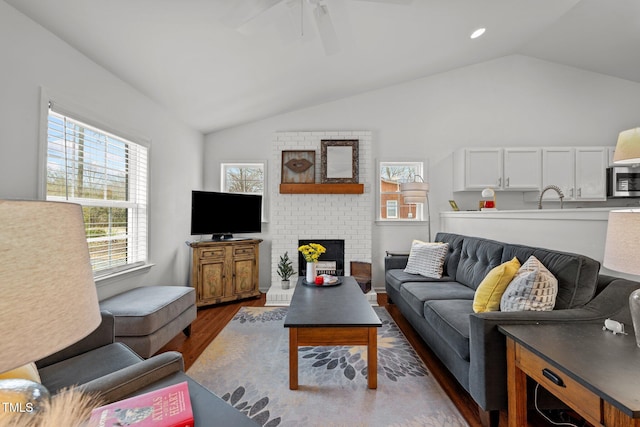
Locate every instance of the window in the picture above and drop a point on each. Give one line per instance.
(107, 175)
(391, 204)
(392, 209)
(244, 178)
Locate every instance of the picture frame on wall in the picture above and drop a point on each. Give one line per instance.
(298, 167)
(339, 161)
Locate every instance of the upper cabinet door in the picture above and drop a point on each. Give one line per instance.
(522, 169)
(558, 168)
(483, 168)
(590, 173)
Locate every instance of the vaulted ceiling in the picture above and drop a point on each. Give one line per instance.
(197, 60)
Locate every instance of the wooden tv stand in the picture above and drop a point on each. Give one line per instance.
(225, 270)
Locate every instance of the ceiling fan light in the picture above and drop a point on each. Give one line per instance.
(477, 33)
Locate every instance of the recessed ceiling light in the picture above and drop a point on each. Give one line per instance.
(477, 33)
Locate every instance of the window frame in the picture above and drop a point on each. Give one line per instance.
(247, 164)
(420, 170)
(76, 112)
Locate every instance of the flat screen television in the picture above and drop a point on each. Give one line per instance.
(223, 214)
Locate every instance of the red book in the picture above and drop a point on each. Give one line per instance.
(167, 407)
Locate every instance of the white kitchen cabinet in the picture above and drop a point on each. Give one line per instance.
(578, 171)
(516, 169)
(558, 168)
(591, 179)
(522, 169)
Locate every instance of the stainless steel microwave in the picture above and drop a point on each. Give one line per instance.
(623, 181)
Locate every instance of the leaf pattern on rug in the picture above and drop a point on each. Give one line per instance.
(257, 411)
(248, 364)
(260, 314)
(396, 357)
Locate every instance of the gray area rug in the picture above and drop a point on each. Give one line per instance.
(248, 366)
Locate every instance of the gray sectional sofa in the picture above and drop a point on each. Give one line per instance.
(469, 344)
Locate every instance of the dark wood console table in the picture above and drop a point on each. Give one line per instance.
(593, 371)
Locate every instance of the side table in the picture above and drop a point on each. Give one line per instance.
(594, 372)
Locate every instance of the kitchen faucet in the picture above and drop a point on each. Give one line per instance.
(551, 187)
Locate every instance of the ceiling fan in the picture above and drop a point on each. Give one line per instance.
(241, 12)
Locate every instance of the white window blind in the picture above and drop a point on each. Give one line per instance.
(107, 175)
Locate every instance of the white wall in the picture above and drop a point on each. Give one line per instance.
(511, 101)
(32, 58)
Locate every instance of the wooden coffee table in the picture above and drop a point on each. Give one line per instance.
(332, 315)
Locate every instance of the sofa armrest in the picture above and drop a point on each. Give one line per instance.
(103, 335)
(119, 384)
(395, 262)
(487, 345)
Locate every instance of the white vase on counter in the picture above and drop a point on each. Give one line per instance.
(311, 271)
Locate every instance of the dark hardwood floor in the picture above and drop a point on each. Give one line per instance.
(211, 320)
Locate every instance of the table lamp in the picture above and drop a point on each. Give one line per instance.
(628, 147)
(417, 192)
(49, 299)
(489, 193)
(623, 228)
(621, 254)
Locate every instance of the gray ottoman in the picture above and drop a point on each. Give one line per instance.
(147, 318)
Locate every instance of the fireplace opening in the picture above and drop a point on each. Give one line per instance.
(330, 262)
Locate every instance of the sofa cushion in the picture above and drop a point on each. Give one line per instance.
(142, 311)
(426, 259)
(533, 288)
(490, 290)
(453, 255)
(88, 366)
(577, 274)
(450, 319)
(416, 293)
(477, 257)
(396, 277)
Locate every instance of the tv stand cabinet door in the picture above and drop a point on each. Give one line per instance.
(245, 271)
(225, 271)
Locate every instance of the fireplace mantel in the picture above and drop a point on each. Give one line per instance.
(321, 188)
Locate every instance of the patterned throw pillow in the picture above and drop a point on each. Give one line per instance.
(426, 259)
(533, 288)
(490, 290)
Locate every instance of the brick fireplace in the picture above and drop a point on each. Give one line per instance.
(295, 217)
(330, 262)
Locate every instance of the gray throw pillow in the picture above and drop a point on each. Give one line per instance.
(534, 288)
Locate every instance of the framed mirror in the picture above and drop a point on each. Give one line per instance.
(339, 161)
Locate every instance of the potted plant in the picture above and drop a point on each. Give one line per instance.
(285, 270)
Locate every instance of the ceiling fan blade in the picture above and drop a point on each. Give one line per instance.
(241, 12)
(325, 29)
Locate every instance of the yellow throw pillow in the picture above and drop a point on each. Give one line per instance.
(26, 372)
(490, 290)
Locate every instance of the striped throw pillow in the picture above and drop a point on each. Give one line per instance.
(426, 259)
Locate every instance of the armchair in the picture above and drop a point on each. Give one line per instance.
(99, 365)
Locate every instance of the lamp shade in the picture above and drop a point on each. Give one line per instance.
(488, 192)
(414, 192)
(623, 241)
(628, 147)
(49, 298)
